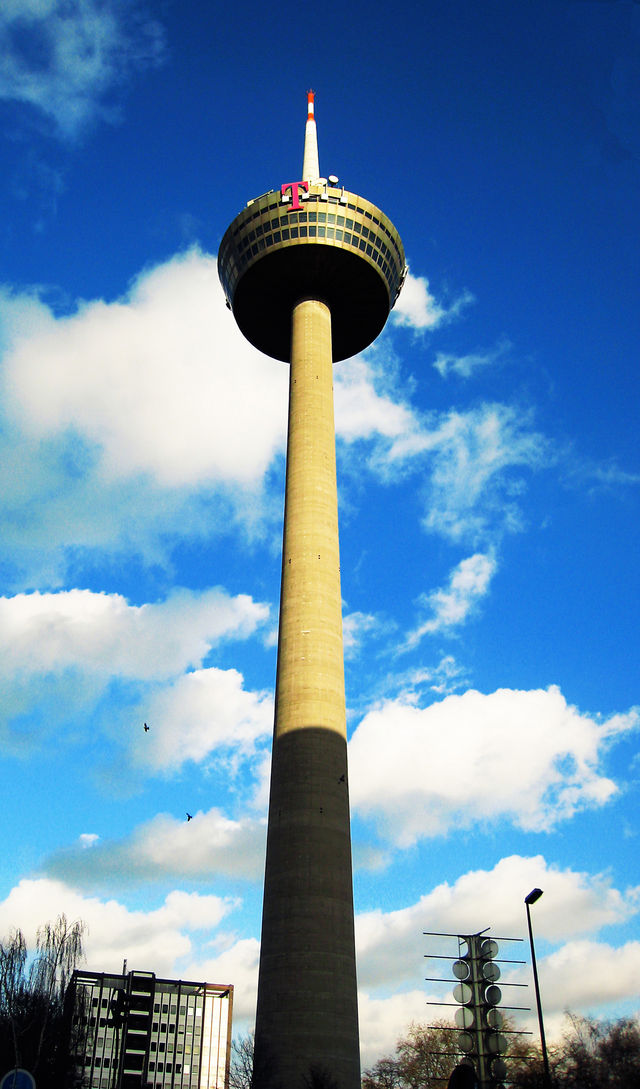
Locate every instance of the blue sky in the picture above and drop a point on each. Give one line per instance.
(488, 483)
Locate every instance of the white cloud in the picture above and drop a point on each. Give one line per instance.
(466, 365)
(595, 478)
(468, 582)
(173, 940)
(58, 512)
(84, 50)
(185, 937)
(102, 633)
(382, 1021)
(129, 426)
(357, 627)
(155, 940)
(23, 315)
(162, 382)
(164, 847)
(472, 462)
(361, 411)
(573, 904)
(589, 976)
(60, 652)
(421, 772)
(471, 490)
(236, 964)
(391, 965)
(446, 676)
(204, 713)
(417, 307)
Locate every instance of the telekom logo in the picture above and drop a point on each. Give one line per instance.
(295, 188)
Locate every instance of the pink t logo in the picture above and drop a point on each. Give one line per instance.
(295, 191)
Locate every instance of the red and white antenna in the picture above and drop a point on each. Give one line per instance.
(310, 162)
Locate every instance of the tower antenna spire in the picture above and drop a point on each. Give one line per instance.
(310, 162)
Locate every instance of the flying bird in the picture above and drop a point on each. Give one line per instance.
(146, 728)
(189, 817)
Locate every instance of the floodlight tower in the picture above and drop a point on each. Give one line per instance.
(311, 272)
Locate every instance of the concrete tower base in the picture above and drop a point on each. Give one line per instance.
(307, 1017)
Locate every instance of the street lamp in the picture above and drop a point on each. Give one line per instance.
(534, 895)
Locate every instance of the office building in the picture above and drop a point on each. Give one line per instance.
(135, 1030)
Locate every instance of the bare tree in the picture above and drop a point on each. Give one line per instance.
(13, 959)
(241, 1067)
(591, 1055)
(385, 1074)
(427, 1055)
(424, 1059)
(32, 1000)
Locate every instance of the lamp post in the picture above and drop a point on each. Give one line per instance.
(534, 895)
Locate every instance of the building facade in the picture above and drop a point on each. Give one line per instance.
(135, 1030)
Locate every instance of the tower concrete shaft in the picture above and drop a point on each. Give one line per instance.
(309, 283)
(307, 1017)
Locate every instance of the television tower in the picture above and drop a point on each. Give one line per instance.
(311, 272)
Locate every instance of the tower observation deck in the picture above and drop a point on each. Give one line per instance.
(310, 272)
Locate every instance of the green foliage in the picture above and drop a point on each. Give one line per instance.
(32, 1021)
